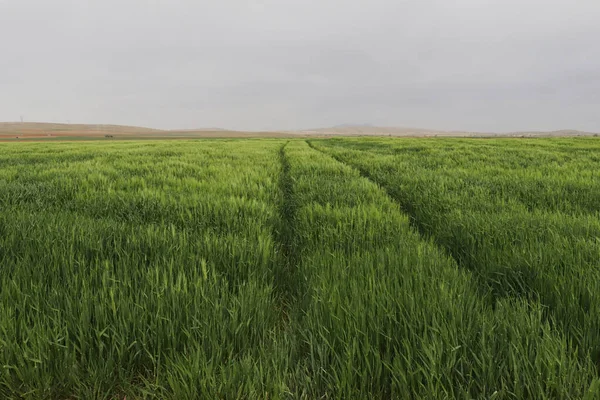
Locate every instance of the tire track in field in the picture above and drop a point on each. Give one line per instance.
(483, 284)
(365, 174)
(414, 223)
(288, 285)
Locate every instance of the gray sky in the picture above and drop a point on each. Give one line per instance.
(487, 65)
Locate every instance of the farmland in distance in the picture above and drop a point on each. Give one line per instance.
(290, 268)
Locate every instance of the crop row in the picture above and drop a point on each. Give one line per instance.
(388, 315)
(139, 269)
(546, 251)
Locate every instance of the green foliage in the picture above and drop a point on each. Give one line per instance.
(391, 316)
(140, 269)
(278, 269)
(522, 215)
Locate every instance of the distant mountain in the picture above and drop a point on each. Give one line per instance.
(42, 128)
(370, 130)
(198, 130)
(43, 131)
(367, 129)
(354, 126)
(19, 130)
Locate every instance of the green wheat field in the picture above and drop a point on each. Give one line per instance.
(344, 268)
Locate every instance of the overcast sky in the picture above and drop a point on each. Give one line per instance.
(483, 65)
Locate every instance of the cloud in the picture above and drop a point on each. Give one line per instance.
(274, 64)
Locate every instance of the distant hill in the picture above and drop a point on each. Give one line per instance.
(366, 129)
(354, 126)
(370, 130)
(40, 130)
(43, 131)
(199, 130)
(46, 129)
